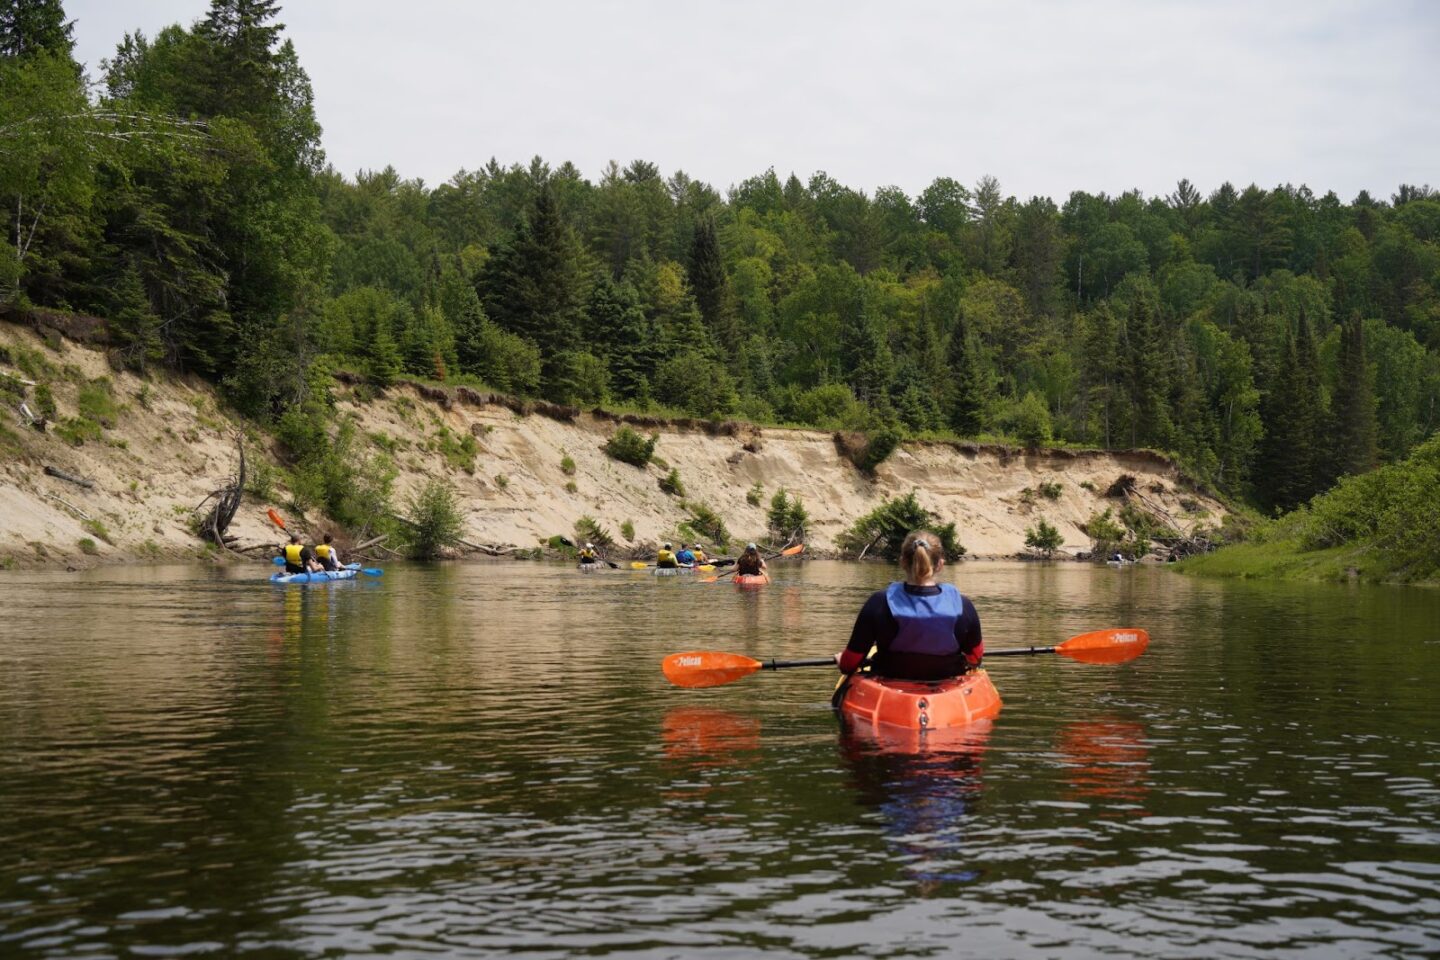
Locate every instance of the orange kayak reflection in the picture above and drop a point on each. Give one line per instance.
(708, 735)
(1107, 759)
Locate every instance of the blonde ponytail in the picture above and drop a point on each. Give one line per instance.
(918, 555)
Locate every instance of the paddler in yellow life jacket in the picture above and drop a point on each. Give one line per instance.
(699, 551)
(665, 558)
(326, 553)
(298, 557)
(587, 554)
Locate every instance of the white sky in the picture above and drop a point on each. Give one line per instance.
(1049, 97)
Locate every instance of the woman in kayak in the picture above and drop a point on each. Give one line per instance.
(298, 557)
(588, 556)
(919, 629)
(750, 564)
(326, 553)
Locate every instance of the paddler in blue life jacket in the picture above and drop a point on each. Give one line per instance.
(919, 629)
(665, 558)
(298, 557)
(326, 553)
(685, 558)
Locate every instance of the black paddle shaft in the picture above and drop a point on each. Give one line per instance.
(780, 664)
(1019, 652)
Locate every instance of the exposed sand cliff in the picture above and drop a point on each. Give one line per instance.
(171, 444)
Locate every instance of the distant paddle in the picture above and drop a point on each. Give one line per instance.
(787, 552)
(709, 668)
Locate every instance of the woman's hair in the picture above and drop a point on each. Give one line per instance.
(919, 555)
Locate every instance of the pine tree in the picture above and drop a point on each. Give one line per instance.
(30, 26)
(970, 386)
(536, 286)
(865, 356)
(1146, 373)
(710, 287)
(618, 332)
(133, 324)
(1286, 474)
(1354, 433)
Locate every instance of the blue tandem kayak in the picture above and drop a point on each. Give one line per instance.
(349, 572)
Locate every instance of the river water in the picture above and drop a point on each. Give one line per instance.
(476, 760)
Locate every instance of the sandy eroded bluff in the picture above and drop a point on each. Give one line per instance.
(172, 443)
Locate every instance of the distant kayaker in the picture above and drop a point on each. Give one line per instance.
(665, 559)
(751, 564)
(326, 553)
(920, 629)
(587, 555)
(298, 557)
(699, 551)
(686, 558)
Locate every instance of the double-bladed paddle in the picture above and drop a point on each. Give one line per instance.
(709, 668)
(787, 552)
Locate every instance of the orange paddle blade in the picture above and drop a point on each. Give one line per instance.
(275, 518)
(706, 668)
(1106, 646)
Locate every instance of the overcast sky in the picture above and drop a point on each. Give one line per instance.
(1049, 97)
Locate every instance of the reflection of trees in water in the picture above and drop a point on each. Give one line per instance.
(1107, 760)
(926, 787)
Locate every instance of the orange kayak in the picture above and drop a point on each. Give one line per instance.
(751, 580)
(921, 704)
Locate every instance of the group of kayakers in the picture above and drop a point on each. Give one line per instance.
(915, 629)
(303, 558)
(689, 556)
(668, 558)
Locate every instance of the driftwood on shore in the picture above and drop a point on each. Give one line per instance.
(62, 501)
(68, 477)
(224, 504)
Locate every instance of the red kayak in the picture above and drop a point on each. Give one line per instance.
(751, 580)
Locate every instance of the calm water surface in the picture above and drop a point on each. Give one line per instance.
(484, 759)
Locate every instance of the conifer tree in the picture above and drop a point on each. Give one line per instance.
(865, 356)
(710, 288)
(1353, 434)
(1286, 474)
(970, 385)
(619, 332)
(1146, 375)
(30, 26)
(535, 287)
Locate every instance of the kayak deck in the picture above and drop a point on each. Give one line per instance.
(921, 704)
(325, 576)
(751, 580)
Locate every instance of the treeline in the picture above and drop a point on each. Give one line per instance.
(1275, 340)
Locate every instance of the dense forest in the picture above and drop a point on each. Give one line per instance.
(1275, 340)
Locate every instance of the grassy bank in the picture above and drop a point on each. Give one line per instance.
(1381, 526)
(1279, 560)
